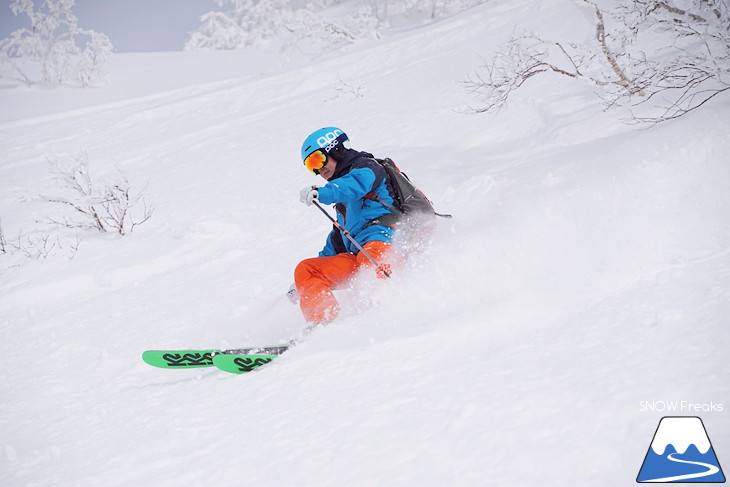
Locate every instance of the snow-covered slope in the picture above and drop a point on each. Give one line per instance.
(587, 269)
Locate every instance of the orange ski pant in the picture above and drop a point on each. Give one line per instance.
(316, 278)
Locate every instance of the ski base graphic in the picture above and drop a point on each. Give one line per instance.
(179, 359)
(240, 364)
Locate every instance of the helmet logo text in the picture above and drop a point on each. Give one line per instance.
(329, 140)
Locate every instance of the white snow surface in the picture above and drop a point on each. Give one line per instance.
(586, 269)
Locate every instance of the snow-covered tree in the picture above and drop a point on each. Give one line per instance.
(662, 58)
(321, 23)
(48, 52)
(245, 23)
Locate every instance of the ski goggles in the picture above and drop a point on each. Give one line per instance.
(315, 161)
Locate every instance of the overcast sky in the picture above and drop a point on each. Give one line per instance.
(131, 25)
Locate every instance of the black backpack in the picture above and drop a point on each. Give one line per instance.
(414, 205)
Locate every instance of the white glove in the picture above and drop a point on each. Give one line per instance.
(308, 194)
(293, 294)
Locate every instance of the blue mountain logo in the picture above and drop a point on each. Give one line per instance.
(681, 452)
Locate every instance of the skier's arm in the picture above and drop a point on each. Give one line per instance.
(356, 184)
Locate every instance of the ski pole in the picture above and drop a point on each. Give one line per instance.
(350, 237)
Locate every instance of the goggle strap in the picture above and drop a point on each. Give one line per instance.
(342, 138)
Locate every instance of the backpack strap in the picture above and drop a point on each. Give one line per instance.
(388, 220)
(375, 197)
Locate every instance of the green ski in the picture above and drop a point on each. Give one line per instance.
(236, 360)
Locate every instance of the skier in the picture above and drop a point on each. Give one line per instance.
(357, 185)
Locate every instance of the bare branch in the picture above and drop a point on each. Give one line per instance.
(3, 242)
(105, 207)
(624, 81)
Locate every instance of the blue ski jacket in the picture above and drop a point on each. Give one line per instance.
(356, 176)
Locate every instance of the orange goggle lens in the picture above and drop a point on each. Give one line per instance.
(315, 161)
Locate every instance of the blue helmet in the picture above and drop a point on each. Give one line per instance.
(327, 138)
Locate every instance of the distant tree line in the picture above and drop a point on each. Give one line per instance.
(317, 23)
